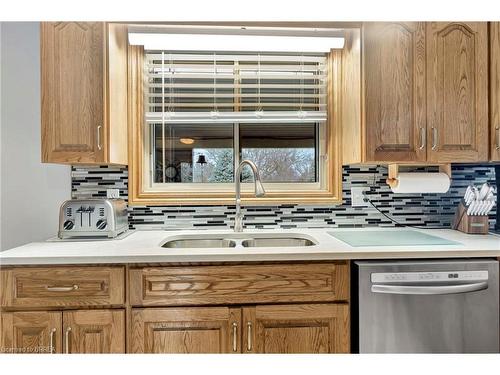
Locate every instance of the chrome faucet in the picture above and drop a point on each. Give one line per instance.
(259, 191)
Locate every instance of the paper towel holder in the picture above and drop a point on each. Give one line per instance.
(393, 170)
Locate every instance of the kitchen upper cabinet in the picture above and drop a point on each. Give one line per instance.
(31, 332)
(495, 90)
(457, 91)
(72, 93)
(394, 71)
(316, 328)
(186, 330)
(422, 96)
(94, 331)
(84, 92)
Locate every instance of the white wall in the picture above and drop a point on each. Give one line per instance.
(31, 192)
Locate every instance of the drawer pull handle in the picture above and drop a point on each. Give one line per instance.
(68, 330)
(235, 336)
(249, 336)
(51, 340)
(62, 288)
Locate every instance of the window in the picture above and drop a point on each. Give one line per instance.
(203, 112)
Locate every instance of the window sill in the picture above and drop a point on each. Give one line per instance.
(223, 198)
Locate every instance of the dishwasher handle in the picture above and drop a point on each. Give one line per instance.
(429, 290)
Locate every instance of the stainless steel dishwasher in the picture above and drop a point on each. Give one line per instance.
(434, 306)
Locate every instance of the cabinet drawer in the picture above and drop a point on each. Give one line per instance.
(167, 286)
(62, 286)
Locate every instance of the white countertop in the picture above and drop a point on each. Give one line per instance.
(144, 247)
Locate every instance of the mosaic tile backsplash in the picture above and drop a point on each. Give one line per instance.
(429, 210)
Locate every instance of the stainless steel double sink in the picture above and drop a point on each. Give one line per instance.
(233, 240)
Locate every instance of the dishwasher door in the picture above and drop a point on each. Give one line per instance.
(429, 306)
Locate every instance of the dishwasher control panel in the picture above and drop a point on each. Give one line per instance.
(441, 276)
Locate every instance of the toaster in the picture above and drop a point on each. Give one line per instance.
(92, 218)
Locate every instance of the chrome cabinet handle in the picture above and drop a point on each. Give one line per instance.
(249, 336)
(99, 146)
(51, 340)
(498, 138)
(68, 330)
(235, 336)
(422, 139)
(434, 138)
(62, 288)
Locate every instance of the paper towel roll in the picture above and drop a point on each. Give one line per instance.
(422, 183)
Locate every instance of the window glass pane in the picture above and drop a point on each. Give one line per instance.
(194, 153)
(282, 152)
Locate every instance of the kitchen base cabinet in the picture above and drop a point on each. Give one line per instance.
(31, 332)
(317, 328)
(252, 308)
(94, 331)
(198, 308)
(186, 330)
(302, 328)
(82, 331)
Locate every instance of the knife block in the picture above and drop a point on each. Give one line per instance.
(470, 224)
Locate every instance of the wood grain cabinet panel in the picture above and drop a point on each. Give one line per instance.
(170, 286)
(495, 90)
(186, 330)
(457, 91)
(30, 332)
(83, 85)
(394, 75)
(316, 328)
(35, 287)
(72, 91)
(423, 93)
(94, 331)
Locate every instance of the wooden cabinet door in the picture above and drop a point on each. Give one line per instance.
(316, 328)
(495, 90)
(394, 75)
(94, 331)
(186, 330)
(30, 332)
(72, 82)
(457, 91)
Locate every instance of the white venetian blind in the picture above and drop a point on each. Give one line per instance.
(199, 87)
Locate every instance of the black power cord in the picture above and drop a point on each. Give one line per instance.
(366, 199)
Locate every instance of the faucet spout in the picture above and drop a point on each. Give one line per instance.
(259, 191)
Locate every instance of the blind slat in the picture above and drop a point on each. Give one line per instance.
(239, 95)
(253, 68)
(209, 104)
(228, 76)
(231, 85)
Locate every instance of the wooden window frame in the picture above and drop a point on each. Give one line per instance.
(139, 195)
